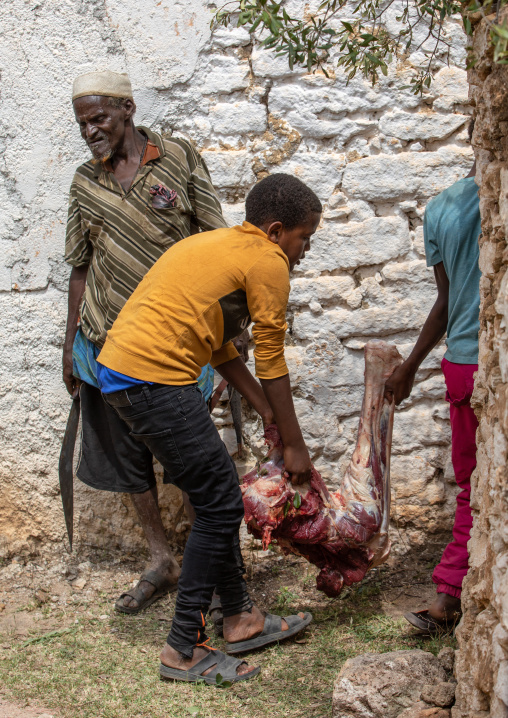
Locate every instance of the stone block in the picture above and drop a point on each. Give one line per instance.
(230, 168)
(391, 177)
(322, 172)
(266, 64)
(371, 322)
(238, 118)
(347, 246)
(326, 290)
(383, 685)
(450, 88)
(416, 427)
(413, 271)
(426, 125)
(432, 388)
(230, 37)
(439, 694)
(410, 475)
(319, 112)
(222, 74)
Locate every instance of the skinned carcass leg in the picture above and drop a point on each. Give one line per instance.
(345, 532)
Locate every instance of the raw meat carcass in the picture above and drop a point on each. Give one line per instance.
(346, 532)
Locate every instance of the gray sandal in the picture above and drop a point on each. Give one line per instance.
(222, 665)
(162, 587)
(272, 632)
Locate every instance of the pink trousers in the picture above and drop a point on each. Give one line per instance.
(450, 571)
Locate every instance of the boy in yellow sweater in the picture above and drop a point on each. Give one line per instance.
(197, 297)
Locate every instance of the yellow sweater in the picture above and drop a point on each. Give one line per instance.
(203, 292)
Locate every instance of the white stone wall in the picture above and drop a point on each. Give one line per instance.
(373, 155)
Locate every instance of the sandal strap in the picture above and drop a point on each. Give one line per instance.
(158, 582)
(293, 620)
(221, 662)
(136, 593)
(273, 624)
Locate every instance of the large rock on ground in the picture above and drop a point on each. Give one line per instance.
(383, 685)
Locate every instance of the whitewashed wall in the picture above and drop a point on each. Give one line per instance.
(373, 155)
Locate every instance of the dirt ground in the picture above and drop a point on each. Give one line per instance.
(45, 602)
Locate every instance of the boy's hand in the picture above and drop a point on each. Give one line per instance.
(297, 464)
(400, 384)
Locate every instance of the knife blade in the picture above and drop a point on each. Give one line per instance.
(65, 468)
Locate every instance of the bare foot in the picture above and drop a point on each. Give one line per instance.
(247, 625)
(173, 659)
(445, 608)
(169, 570)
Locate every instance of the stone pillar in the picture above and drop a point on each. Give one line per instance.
(482, 661)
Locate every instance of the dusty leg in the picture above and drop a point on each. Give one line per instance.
(162, 559)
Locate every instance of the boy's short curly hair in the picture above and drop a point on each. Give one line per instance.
(281, 198)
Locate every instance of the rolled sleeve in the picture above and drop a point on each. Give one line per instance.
(267, 297)
(78, 248)
(224, 354)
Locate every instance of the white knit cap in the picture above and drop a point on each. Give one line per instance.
(105, 83)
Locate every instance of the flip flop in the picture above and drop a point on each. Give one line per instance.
(162, 588)
(272, 632)
(222, 665)
(430, 626)
(215, 613)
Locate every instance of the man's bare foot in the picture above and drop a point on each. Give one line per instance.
(247, 625)
(173, 659)
(445, 608)
(169, 571)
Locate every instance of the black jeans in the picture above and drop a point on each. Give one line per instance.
(174, 423)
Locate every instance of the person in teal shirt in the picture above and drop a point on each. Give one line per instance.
(451, 230)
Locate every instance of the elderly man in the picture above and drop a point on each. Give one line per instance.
(136, 197)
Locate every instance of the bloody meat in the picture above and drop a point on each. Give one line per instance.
(344, 532)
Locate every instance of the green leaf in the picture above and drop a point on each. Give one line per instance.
(297, 501)
(348, 26)
(221, 683)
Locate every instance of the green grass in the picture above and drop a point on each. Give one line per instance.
(109, 668)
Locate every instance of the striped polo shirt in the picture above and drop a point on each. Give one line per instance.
(120, 235)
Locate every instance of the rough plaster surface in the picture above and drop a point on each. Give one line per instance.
(482, 661)
(374, 156)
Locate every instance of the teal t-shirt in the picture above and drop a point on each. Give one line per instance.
(451, 229)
